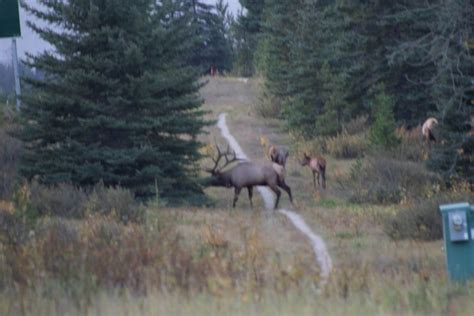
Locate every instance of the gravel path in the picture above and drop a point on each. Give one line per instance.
(319, 247)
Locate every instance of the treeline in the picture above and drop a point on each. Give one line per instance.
(118, 102)
(326, 62)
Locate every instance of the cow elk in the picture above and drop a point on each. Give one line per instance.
(427, 130)
(247, 174)
(317, 165)
(278, 155)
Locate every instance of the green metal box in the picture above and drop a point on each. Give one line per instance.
(458, 231)
(9, 19)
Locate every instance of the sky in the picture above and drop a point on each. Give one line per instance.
(30, 42)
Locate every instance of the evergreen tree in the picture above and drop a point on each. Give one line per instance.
(117, 104)
(211, 41)
(337, 110)
(382, 132)
(246, 31)
(318, 64)
(450, 48)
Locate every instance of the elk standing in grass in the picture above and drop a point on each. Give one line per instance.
(427, 130)
(278, 155)
(317, 165)
(247, 175)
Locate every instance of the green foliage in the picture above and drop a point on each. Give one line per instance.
(116, 202)
(381, 179)
(453, 156)
(347, 146)
(10, 152)
(421, 220)
(382, 132)
(211, 45)
(33, 201)
(245, 33)
(321, 60)
(62, 200)
(119, 102)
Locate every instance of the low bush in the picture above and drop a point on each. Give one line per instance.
(421, 220)
(357, 125)
(10, 151)
(346, 146)
(34, 200)
(268, 107)
(101, 253)
(382, 179)
(115, 201)
(63, 200)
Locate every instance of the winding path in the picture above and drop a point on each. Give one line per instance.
(319, 247)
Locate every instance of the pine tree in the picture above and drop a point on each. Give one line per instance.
(211, 43)
(451, 50)
(117, 104)
(382, 132)
(245, 32)
(273, 57)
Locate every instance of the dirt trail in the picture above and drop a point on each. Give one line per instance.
(319, 247)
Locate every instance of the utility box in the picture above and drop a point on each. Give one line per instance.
(458, 231)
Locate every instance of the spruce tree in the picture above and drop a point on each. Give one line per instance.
(246, 31)
(451, 50)
(117, 104)
(211, 42)
(382, 132)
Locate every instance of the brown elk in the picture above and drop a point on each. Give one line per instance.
(427, 130)
(278, 155)
(317, 165)
(247, 175)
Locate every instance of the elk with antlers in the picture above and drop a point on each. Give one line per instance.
(317, 165)
(247, 175)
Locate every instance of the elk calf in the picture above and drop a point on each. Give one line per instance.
(247, 175)
(317, 165)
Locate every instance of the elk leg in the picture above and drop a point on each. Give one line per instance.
(236, 196)
(323, 177)
(278, 193)
(250, 189)
(285, 187)
(314, 179)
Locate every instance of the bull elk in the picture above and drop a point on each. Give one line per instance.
(317, 165)
(247, 174)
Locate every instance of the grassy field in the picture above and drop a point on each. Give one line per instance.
(224, 261)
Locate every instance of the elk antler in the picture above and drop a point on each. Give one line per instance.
(221, 155)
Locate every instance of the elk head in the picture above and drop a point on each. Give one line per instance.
(306, 159)
(218, 178)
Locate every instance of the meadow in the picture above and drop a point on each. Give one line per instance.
(67, 251)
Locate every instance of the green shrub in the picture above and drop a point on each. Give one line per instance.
(10, 151)
(383, 179)
(382, 132)
(68, 201)
(347, 146)
(421, 220)
(63, 200)
(357, 125)
(115, 201)
(268, 107)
